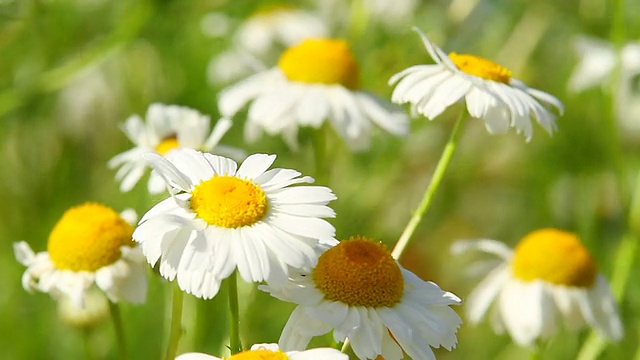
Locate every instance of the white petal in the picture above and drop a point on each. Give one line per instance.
(255, 165)
(485, 293)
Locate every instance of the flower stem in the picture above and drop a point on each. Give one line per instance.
(345, 346)
(235, 344)
(114, 310)
(176, 322)
(438, 174)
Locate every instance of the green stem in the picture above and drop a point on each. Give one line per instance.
(345, 346)
(175, 331)
(116, 317)
(438, 174)
(319, 142)
(235, 344)
(86, 339)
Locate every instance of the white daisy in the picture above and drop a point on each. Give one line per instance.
(597, 64)
(549, 279)
(272, 352)
(268, 30)
(89, 246)
(221, 217)
(167, 127)
(315, 81)
(358, 291)
(487, 89)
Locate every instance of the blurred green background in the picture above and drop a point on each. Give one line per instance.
(74, 70)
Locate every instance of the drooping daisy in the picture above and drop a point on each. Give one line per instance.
(358, 291)
(488, 90)
(167, 127)
(315, 81)
(89, 246)
(549, 279)
(272, 352)
(221, 217)
(268, 30)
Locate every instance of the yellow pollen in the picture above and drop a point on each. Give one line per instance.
(88, 237)
(359, 272)
(230, 202)
(260, 354)
(168, 143)
(323, 61)
(554, 256)
(481, 67)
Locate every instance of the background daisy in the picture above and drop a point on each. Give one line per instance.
(221, 217)
(488, 90)
(315, 81)
(548, 281)
(166, 127)
(89, 246)
(358, 291)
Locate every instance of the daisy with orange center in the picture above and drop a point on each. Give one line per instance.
(167, 127)
(549, 280)
(222, 217)
(89, 246)
(272, 352)
(488, 91)
(358, 291)
(315, 81)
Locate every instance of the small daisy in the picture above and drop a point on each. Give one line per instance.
(358, 291)
(549, 278)
(167, 127)
(487, 89)
(90, 245)
(272, 352)
(221, 217)
(315, 81)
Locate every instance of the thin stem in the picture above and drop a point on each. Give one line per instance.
(114, 310)
(345, 346)
(86, 340)
(235, 344)
(438, 174)
(175, 331)
(319, 142)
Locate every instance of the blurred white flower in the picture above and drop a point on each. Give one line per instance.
(487, 89)
(597, 63)
(89, 246)
(315, 81)
(267, 30)
(272, 351)
(167, 127)
(548, 281)
(221, 217)
(358, 291)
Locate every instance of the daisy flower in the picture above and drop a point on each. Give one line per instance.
(269, 29)
(89, 246)
(315, 81)
(167, 127)
(487, 89)
(221, 217)
(358, 291)
(272, 352)
(549, 279)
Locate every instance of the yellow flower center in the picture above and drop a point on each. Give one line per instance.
(260, 354)
(230, 202)
(168, 143)
(555, 256)
(88, 237)
(481, 67)
(359, 272)
(324, 61)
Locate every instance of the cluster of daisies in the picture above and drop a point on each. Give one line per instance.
(236, 213)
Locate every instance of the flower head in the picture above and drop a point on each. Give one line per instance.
(358, 291)
(273, 352)
(90, 245)
(221, 217)
(167, 127)
(488, 90)
(315, 81)
(548, 279)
